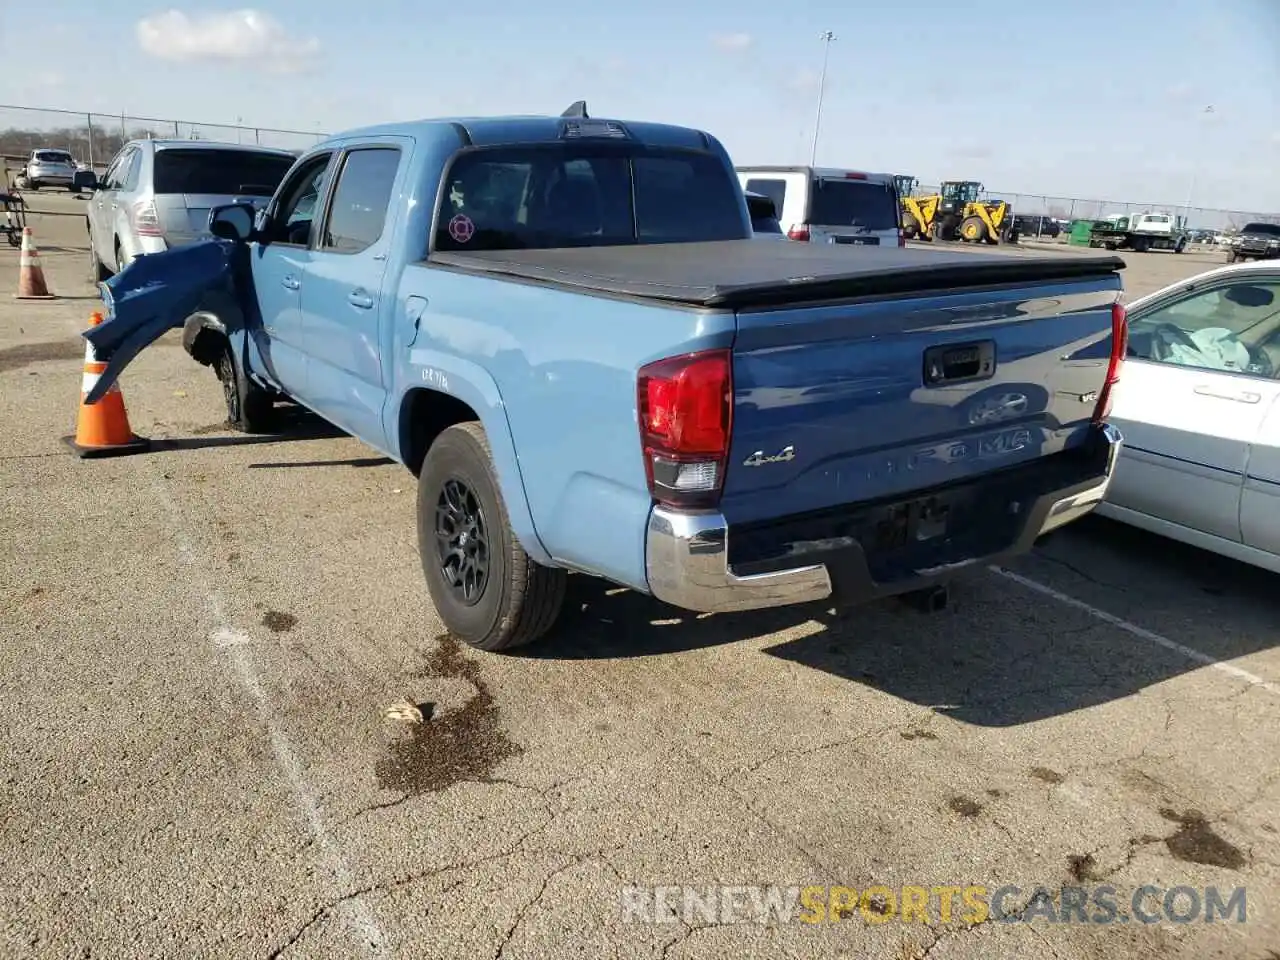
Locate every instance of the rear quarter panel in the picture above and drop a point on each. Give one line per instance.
(563, 366)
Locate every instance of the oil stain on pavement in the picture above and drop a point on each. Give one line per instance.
(464, 744)
(278, 622)
(1195, 842)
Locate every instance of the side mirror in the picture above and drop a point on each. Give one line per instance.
(233, 221)
(86, 180)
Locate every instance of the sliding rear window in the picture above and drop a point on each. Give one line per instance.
(226, 172)
(582, 194)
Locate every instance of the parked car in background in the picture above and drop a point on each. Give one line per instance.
(157, 194)
(1031, 227)
(764, 217)
(1256, 241)
(1199, 409)
(50, 168)
(824, 205)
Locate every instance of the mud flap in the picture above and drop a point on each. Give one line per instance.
(153, 295)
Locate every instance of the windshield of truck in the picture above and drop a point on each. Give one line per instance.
(53, 156)
(1265, 229)
(226, 172)
(582, 194)
(853, 203)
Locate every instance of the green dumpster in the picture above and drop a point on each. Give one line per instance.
(1081, 233)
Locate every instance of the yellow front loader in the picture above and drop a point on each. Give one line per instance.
(956, 213)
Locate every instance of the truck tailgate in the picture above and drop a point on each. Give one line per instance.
(873, 398)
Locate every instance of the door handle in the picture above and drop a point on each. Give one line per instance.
(1239, 396)
(358, 298)
(290, 282)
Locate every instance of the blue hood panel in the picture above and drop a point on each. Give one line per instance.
(153, 295)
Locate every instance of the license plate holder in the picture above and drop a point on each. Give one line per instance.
(857, 241)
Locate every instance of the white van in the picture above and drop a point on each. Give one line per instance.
(826, 205)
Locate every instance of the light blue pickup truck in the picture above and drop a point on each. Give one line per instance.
(562, 326)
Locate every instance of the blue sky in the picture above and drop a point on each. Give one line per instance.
(1084, 99)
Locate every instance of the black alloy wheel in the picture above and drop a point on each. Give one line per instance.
(462, 542)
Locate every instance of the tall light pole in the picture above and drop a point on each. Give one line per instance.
(1196, 154)
(826, 37)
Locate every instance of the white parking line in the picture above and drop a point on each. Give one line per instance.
(1132, 628)
(234, 644)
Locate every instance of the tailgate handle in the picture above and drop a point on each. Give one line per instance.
(958, 362)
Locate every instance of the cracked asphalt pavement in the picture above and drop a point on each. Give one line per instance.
(201, 643)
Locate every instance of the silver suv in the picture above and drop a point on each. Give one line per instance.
(50, 168)
(157, 194)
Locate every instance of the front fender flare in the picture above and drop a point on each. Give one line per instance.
(472, 384)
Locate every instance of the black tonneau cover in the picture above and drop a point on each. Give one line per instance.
(756, 273)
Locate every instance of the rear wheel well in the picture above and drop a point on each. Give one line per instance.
(424, 415)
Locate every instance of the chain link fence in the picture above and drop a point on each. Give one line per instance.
(1076, 208)
(94, 138)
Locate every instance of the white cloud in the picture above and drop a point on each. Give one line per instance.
(1179, 91)
(245, 36)
(731, 41)
(804, 80)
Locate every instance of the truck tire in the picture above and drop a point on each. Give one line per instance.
(487, 590)
(248, 405)
(973, 230)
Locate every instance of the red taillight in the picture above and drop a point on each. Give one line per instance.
(145, 221)
(686, 413)
(799, 232)
(1119, 347)
(855, 176)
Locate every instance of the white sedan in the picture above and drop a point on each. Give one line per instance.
(1199, 406)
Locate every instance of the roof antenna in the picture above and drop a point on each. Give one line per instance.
(577, 109)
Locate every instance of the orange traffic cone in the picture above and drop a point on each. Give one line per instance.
(31, 285)
(102, 428)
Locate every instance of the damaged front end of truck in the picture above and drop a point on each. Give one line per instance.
(198, 288)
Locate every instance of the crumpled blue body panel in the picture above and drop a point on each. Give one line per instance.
(153, 295)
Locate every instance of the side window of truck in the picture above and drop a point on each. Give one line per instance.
(358, 211)
(300, 196)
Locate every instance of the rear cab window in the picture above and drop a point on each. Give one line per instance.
(569, 194)
(224, 172)
(844, 202)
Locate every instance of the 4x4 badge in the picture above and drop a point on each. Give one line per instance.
(758, 459)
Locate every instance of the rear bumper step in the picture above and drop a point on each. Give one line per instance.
(688, 554)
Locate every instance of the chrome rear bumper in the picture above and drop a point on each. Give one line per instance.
(686, 556)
